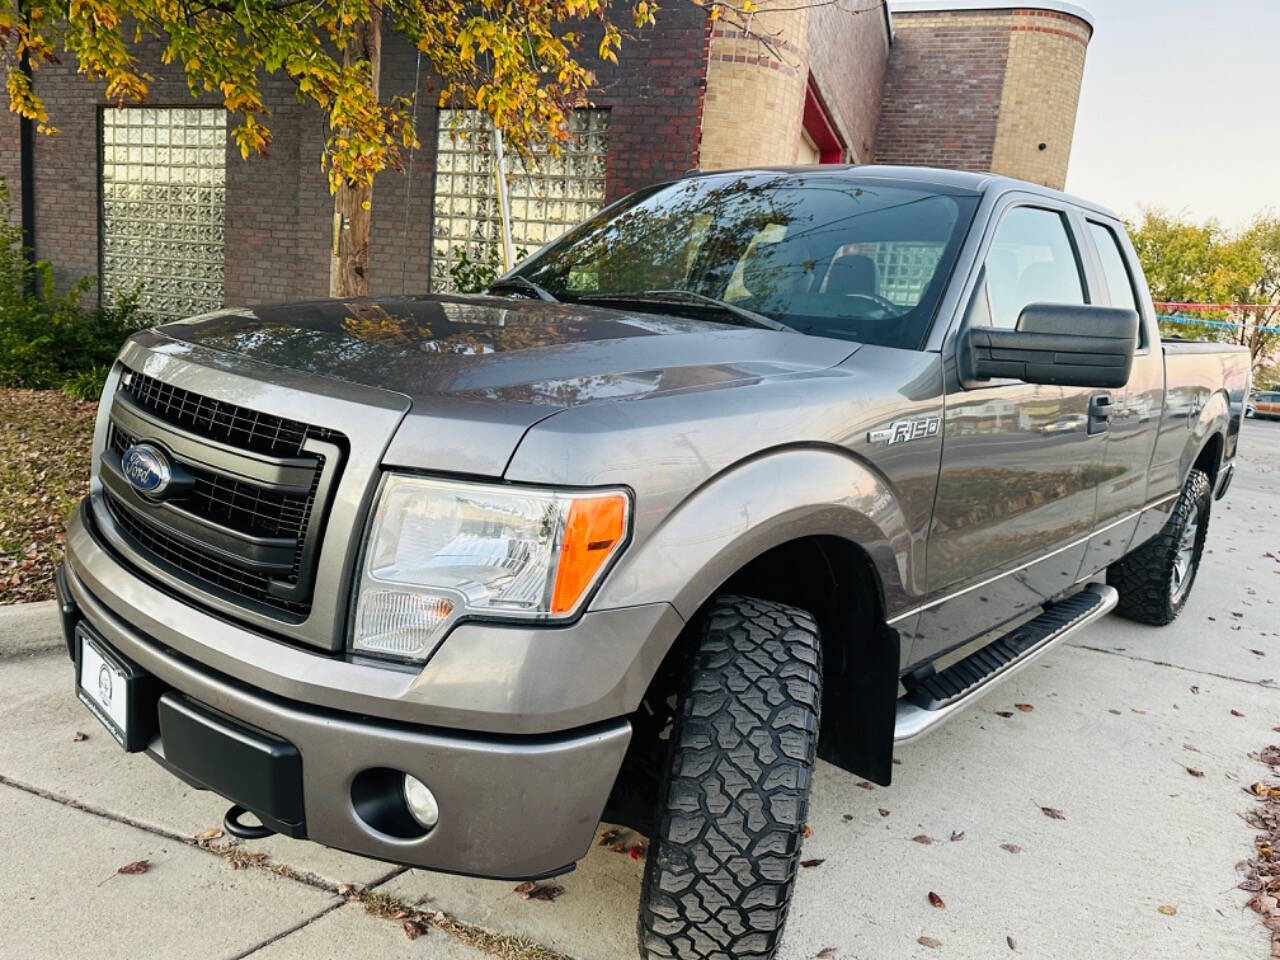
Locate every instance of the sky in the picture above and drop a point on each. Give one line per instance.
(1180, 108)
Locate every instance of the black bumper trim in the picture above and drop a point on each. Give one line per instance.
(255, 769)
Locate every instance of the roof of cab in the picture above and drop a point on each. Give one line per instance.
(974, 181)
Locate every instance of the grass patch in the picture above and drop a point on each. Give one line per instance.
(44, 472)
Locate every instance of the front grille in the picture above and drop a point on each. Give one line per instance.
(221, 496)
(221, 421)
(238, 504)
(201, 564)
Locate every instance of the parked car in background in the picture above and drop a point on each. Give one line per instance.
(749, 469)
(1266, 403)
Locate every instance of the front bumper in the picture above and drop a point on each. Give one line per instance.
(511, 806)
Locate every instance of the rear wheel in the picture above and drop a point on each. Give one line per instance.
(1155, 580)
(733, 806)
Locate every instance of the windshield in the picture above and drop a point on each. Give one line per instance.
(826, 254)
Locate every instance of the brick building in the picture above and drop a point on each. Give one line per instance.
(157, 195)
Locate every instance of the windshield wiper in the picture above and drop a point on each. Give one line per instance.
(746, 317)
(519, 283)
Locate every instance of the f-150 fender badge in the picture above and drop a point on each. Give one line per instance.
(900, 431)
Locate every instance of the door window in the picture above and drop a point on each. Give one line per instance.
(1031, 260)
(1114, 271)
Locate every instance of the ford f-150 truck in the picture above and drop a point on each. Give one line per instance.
(750, 468)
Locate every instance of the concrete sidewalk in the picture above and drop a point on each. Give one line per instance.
(1117, 721)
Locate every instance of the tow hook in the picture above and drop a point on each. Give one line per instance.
(231, 823)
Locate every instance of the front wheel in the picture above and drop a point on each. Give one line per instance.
(735, 798)
(1155, 580)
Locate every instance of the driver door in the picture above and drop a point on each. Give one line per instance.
(1020, 466)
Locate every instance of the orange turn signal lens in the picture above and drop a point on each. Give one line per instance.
(593, 532)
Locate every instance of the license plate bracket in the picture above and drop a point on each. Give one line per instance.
(117, 691)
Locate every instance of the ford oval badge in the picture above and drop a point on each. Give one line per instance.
(147, 469)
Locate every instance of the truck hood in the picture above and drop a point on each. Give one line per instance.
(522, 351)
(479, 371)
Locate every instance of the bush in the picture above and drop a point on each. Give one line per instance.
(49, 340)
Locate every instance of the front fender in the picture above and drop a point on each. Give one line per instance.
(759, 504)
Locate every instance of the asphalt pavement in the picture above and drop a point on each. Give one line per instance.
(1138, 740)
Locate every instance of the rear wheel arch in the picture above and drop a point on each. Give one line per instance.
(1209, 460)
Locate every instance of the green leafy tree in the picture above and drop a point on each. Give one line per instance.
(1187, 262)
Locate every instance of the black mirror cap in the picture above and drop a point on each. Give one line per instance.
(1066, 345)
(1079, 319)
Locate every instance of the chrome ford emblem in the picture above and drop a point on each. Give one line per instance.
(147, 469)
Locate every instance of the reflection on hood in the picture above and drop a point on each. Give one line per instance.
(498, 349)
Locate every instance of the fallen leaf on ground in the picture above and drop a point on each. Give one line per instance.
(808, 831)
(817, 861)
(1194, 772)
(413, 929)
(536, 891)
(957, 835)
(846, 817)
(1053, 813)
(1004, 713)
(1139, 712)
(80, 736)
(864, 785)
(1011, 847)
(826, 953)
(1236, 713)
(1270, 756)
(1024, 707)
(923, 838)
(1257, 653)
(936, 901)
(1195, 688)
(1237, 614)
(1115, 711)
(210, 833)
(1251, 884)
(608, 838)
(928, 942)
(882, 811)
(1261, 789)
(1011, 943)
(1168, 909)
(133, 869)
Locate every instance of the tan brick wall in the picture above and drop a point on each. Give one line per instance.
(754, 106)
(941, 103)
(1045, 65)
(982, 89)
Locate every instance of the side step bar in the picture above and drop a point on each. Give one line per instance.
(940, 696)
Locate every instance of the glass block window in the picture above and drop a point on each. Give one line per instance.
(164, 189)
(548, 194)
(905, 268)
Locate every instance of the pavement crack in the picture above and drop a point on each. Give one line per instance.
(235, 854)
(289, 931)
(1266, 684)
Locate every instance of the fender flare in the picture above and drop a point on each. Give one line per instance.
(755, 505)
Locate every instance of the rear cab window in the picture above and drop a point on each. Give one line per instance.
(1115, 272)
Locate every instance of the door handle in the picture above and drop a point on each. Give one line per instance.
(1099, 413)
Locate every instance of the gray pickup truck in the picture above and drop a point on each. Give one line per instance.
(749, 469)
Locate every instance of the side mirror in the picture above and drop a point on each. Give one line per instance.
(1066, 345)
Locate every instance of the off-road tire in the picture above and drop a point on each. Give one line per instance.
(733, 805)
(1144, 578)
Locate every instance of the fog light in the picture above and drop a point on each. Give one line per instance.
(421, 802)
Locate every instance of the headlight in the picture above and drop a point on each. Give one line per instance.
(441, 549)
